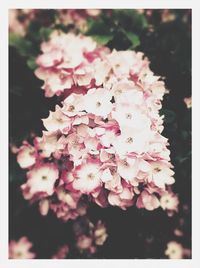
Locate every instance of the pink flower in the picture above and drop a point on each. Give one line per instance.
(49, 143)
(105, 138)
(148, 201)
(97, 102)
(122, 200)
(42, 178)
(131, 141)
(100, 233)
(169, 201)
(161, 174)
(188, 102)
(174, 250)
(21, 249)
(57, 121)
(74, 105)
(63, 62)
(26, 156)
(44, 207)
(50, 59)
(87, 177)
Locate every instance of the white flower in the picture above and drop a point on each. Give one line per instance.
(42, 179)
(87, 177)
(161, 174)
(174, 250)
(97, 102)
(57, 121)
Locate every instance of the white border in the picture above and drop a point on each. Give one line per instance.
(5, 5)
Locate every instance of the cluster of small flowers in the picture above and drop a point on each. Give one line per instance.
(88, 243)
(66, 63)
(85, 243)
(42, 186)
(21, 249)
(105, 140)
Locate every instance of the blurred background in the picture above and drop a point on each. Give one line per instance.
(165, 38)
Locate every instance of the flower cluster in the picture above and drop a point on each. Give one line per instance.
(65, 63)
(105, 140)
(42, 186)
(95, 237)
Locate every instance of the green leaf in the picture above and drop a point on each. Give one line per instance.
(102, 39)
(31, 63)
(44, 33)
(130, 19)
(97, 27)
(133, 38)
(23, 45)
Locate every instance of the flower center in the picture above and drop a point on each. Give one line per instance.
(125, 163)
(129, 140)
(19, 253)
(98, 104)
(71, 108)
(62, 76)
(90, 176)
(44, 178)
(157, 169)
(128, 116)
(118, 91)
(59, 120)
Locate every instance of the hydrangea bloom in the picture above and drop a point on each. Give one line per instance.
(104, 140)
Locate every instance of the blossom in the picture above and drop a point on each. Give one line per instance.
(161, 174)
(169, 201)
(21, 249)
(48, 144)
(26, 155)
(105, 136)
(87, 177)
(129, 141)
(188, 102)
(100, 233)
(97, 102)
(42, 178)
(174, 250)
(63, 62)
(57, 121)
(123, 199)
(148, 201)
(44, 207)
